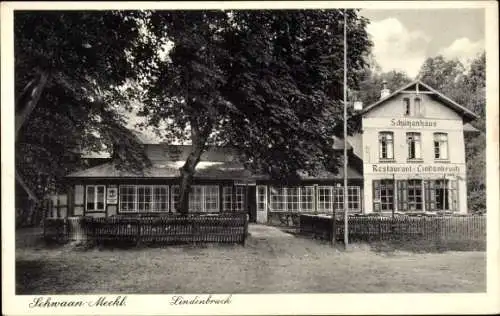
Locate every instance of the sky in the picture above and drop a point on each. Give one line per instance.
(403, 39)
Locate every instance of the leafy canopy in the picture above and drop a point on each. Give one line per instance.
(268, 83)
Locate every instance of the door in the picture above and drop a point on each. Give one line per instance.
(252, 203)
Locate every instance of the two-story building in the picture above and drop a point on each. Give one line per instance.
(408, 156)
(413, 152)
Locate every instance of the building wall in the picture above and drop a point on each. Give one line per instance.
(434, 117)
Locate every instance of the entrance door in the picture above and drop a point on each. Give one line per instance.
(252, 203)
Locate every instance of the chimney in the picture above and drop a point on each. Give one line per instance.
(385, 92)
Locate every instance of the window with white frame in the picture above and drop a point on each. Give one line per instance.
(415, 195)
(143, 198)
(386, 145)
(441, 146)
(325, 199)
(202, 198)
(306, 199)
(95, 198)
(353, 198)
(196, 198)
(292, 199)
(227, 198)
(239, 204)
(239, 198)
(385, 191)
(127, 198)
(211, 197)
(160, 199)
(277, 196)
(414, 145)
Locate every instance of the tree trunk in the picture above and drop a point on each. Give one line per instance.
(187, 174)
(198, 140)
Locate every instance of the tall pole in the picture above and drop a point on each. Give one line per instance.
(346, 204)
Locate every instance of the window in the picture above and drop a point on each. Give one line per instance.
(160, 199)
(406, 104)
(227, 198)
(196, 198)
(325, 200)
(202, 198)
(414, 110)
(413, 140)
(441, 146)
(442, 193)
(292, 199)
(384, 193)
(417, 106)
(306, 199)
(414, 195)
(353, 199)
(175, 197)
(239, 204)
(386, 145)
(127, 198)
(277, 199)
(95, 198)
(211, 197)
(143, 198)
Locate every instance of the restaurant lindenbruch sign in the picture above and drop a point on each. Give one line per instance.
(416, 169)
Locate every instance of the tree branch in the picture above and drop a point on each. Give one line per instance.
(30, 98)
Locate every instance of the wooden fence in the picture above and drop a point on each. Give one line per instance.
(400, 228)
(164, 230)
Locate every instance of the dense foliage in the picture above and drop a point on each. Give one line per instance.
(83, 58)
(268, 83)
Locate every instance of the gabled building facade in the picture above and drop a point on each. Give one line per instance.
(413, 151)
(409, 156)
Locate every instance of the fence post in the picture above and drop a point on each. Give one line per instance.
(138, 241)
(380, 230)
(245, 232)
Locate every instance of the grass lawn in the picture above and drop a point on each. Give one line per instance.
(275, 264)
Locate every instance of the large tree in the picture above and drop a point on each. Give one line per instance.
(268, 83)
(69, 70)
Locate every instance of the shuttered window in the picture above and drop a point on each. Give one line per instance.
(441, 195)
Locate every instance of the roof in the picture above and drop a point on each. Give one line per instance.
(204, 169)
(352, 173)
(463, 111)
(212, 170)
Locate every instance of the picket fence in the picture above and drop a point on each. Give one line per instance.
(164, 230)
(399, 228)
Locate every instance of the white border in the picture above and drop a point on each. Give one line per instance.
(262, 304)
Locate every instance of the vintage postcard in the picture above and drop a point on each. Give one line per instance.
(250, 158)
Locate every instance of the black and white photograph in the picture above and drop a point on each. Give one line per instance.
(191, 155)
